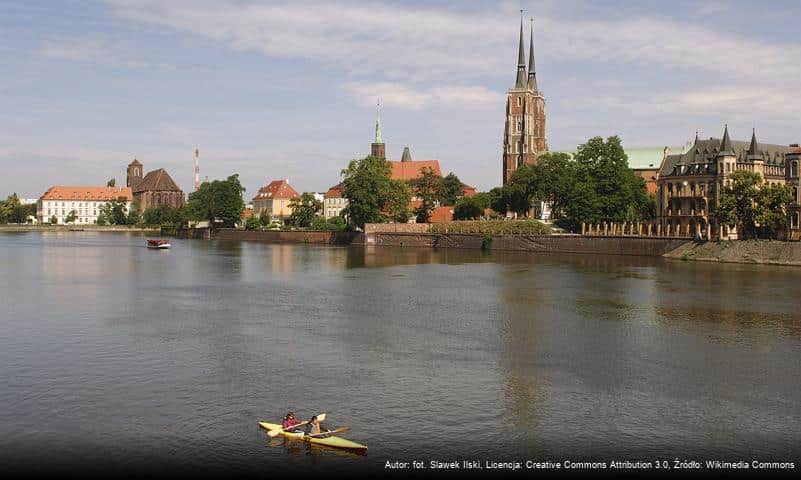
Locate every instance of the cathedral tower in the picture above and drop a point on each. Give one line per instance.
(524, 134)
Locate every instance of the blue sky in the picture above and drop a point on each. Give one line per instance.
(287, 89)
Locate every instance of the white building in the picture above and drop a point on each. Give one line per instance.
(334, 202)
(58, 201)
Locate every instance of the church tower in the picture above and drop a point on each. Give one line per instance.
(134, 174)
(377, 148)
(524, 133)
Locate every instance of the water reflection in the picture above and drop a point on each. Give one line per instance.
(184, 350)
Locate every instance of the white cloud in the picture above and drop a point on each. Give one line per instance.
(75, 49)
(415, 57)
(411, 42)
(402, 96)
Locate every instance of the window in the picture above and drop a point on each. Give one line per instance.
(519, 126)
(796, 218)
(794, 169)
(519, 101)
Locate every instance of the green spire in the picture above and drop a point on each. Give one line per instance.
(378, 123)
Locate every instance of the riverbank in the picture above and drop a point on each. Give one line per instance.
(77, 228)
(764, 252)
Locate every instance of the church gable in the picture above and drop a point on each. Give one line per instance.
(157, 181)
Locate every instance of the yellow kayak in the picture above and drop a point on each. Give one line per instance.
(332, 441)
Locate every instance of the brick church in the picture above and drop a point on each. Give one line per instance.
(154, 189)
(524, 135)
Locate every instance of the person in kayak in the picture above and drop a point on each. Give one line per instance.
(289, 422)
(313, 427)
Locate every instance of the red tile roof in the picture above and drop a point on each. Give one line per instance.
(61, 192)
(157, 181)
(277, 189)
(335, 191)
(411, 170)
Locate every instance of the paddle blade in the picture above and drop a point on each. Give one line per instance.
(273, 433)
(321, 417)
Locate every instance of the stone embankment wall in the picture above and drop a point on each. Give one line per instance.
(765, 252)
(648, 246)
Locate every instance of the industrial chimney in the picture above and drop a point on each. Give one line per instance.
(197, 169)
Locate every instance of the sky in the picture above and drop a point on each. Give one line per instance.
(275, 89)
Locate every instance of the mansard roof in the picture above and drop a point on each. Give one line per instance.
(157, 181)
(701, 157)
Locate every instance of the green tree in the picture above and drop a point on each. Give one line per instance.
(318, 223)
(252, 223)
(7, 207)
(468, 208)
(771, 209)
(604, 166)
(336, 223)
(114, 212)
(70, 218)
(450, 189)
(157, 215)
(219, 200)
(737, 205)
(426, 187)
(133, 217)
(304, 210)
(112, 182)
(755, 208)
(555, 177)
(373, 197)
(53, 220)
(264, 218)
(399, 197)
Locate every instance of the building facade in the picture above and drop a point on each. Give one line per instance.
(689, 184)
(524, 132)
(59, 201)
(274, 199)
(334, 201)
(792, 165)
(154, 189)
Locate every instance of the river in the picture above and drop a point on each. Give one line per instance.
(118, 358)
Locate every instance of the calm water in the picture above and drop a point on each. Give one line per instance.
(117, 357)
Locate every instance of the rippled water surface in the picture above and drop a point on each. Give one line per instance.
(119, 357)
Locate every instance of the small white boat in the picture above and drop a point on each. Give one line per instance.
(159, 243)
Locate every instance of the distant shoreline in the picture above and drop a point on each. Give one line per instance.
(77, 228)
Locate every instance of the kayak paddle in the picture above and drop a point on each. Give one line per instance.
(338, 430)
(275, 433)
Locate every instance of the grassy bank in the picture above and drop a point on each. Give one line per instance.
(765, 252)
(493, 227)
